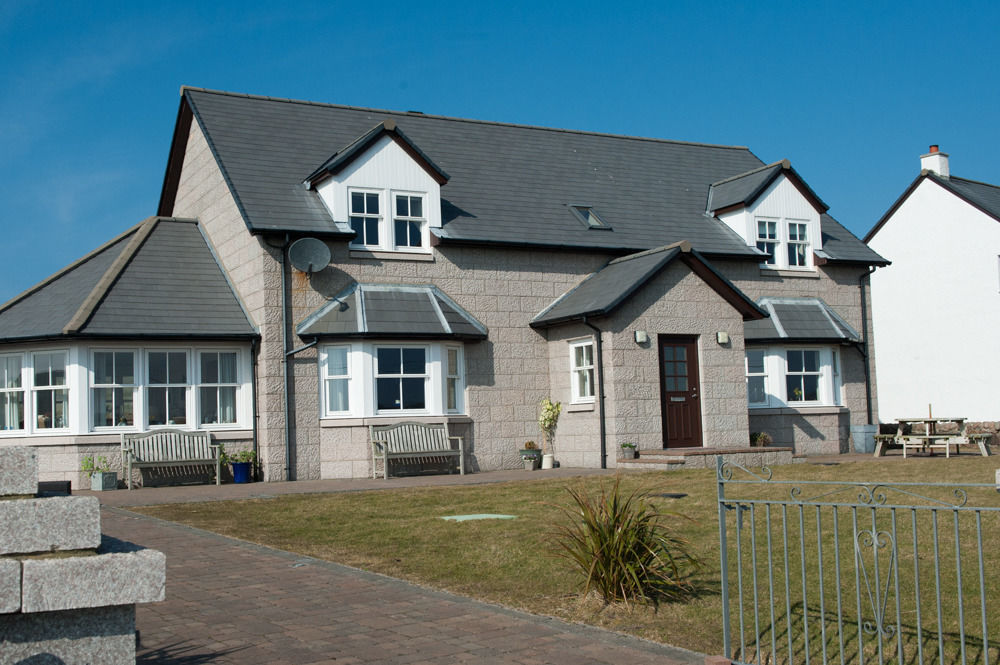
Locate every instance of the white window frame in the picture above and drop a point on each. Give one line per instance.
(94, 386)
(769, 241)
(763, 374)
(6, 391)
(454, 379)
(425, 376)
(776, 374)
(421, 220)
(202, 384)
(53, 388)
(784, 242)
(576, 396)
(797, 234)
(326, 380)
(802, 374)
(379, 218)
(148, 385)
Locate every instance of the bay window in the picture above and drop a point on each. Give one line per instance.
(50, 392)
(363, 379)
(167, 389)
(11, 393)
(797, 377)
(113, 386)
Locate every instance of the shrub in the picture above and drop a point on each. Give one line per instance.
(761, 439)
(620, 544)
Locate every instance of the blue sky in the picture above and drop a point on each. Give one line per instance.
(851, 93)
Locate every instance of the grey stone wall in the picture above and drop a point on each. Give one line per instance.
(811, 431)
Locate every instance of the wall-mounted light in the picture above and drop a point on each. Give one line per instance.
(641, 337)
(722, 337)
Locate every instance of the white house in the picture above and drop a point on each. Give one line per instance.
(936, 321)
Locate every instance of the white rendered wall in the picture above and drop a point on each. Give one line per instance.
(936, 309)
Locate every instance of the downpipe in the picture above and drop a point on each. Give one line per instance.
(600, 391)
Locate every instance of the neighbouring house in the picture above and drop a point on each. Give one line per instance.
(314, 269)
(927, 315)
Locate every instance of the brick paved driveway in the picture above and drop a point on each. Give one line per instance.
(233, 602)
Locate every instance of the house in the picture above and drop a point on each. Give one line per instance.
(926, 316)
(313, 269)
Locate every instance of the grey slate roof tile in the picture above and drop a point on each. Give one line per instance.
(508, 183)
(799, 319)
(169, 285)
(981, 194)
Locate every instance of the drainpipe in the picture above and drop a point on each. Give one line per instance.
(863, 346)
(253, 397)
(600, 391)
(284, 360)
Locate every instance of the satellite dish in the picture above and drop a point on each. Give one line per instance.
(309, 255)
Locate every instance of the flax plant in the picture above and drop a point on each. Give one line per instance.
(619, 542)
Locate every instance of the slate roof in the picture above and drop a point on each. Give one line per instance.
(509, 184)
(799, 319)
(158, 279)
(391, 310)
(981, 195)
(601, 292)
(745, 188)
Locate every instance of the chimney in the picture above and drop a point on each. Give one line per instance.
(935, 161)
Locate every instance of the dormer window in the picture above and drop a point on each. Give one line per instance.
(767, 239)
(373, 231)
(409, 221)
(589, 217)
(365, 218)
(798, 245)
(786, 242)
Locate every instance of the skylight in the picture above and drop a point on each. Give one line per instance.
(589, 217)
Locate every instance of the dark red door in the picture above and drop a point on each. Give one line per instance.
(679, 394)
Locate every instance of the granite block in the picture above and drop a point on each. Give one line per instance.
(18, 470)
(121, 573)
(49, 524)
(10, 585)
(103, 635)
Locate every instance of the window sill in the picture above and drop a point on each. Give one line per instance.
(391, 256)
(330, 421)
(805, 273)
(821, 410)
(581, 406)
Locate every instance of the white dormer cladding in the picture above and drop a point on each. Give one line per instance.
(783, 204)
(386, 170)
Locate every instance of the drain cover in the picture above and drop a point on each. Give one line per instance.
(483, 516)
(672, 495)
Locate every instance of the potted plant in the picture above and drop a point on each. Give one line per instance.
(101, 476)
(531, 456)
(241, 463)
(629, 450)
(759, 439)
(548, 418)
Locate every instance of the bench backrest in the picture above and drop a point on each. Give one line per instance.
(167, 445)
(412, 437)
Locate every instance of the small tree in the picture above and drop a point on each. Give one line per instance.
(548, 418)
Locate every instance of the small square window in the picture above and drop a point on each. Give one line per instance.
(589, 217)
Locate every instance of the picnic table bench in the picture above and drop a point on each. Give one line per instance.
(169, 447)
(930, 438)
(412, 440)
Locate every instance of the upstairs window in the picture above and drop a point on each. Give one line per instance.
(11, 393)
(798, 245)
(365, 218)
(767, 240)
(409, 222)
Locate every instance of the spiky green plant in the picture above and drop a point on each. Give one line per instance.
(622, 546)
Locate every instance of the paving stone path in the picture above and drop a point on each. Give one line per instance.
(234, 602)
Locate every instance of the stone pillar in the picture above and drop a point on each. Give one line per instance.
(67, 594)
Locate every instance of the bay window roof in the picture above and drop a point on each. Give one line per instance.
(799, 319)
(159, 279)
(397, 311)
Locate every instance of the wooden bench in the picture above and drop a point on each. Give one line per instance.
(416, 441)
(169, 447)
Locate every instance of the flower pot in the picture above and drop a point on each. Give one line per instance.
(241, 472)
(529, 464)
(547, 461)
(629, 453)
(103, 480)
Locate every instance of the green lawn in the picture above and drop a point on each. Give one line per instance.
(513, 562)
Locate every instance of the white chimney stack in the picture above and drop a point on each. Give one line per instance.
(935, 162)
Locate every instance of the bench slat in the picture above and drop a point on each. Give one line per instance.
(168, 447)
(412, 440)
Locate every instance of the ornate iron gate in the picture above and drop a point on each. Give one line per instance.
(857, 572)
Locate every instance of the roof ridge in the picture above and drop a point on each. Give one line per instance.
(784, 163)
(110, 276)
(72, 266)
(974, 182)
(418, 114)
(683, 245)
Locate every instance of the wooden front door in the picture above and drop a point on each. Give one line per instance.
(680, 404)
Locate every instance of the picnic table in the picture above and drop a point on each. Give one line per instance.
(909, 436)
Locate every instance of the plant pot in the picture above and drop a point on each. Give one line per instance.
(534, 455)
(241, 472)
(529, 464)
(103, 480)
(629, 453)
(547, 461)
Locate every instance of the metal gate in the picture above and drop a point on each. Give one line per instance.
(857, 572)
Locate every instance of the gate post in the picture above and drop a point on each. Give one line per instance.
(723, 556)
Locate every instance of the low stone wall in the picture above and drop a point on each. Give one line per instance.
(807, 433)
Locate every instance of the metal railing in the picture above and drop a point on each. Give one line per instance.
(857, 572)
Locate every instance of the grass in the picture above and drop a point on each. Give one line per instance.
(515, 562)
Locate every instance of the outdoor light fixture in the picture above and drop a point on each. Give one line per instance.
(641, 337)
(722, 337)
